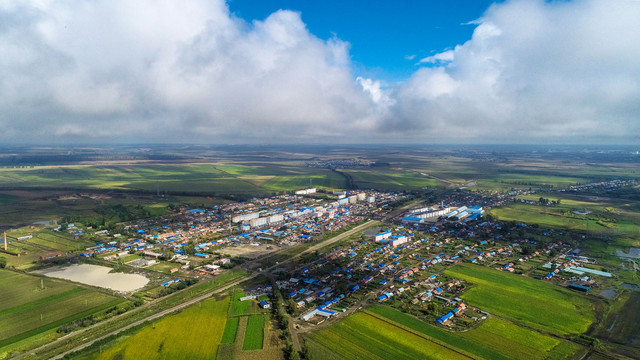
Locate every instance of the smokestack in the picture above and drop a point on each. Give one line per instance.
(5, 241)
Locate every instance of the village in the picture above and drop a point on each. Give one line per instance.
(402, 261)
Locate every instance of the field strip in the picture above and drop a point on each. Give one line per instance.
(52, 325)
(42, 301)
(422, 335)
(242, 329)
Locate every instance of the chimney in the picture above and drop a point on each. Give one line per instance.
(5, 241)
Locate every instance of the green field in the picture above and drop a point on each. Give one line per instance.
(389, 180)
(230, 331)
(549, 216)
(195, 333)
(254, 335)
(493, 339)
(534, 303)
(364, 336)
(27, 309)
(43, 241)
(238, 307)
(188, 177)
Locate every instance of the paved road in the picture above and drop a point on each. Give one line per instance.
(437, 178)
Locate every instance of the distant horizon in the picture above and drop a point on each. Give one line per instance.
(311, 145)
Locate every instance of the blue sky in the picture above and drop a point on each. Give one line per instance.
(381, 33)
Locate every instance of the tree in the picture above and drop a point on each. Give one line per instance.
(527, 249)
(3, 262)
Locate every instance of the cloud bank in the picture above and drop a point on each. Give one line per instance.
(540, 70)
(169, 71)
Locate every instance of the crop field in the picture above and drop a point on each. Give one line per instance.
(545, 216)
(193, 177)
(43, 241)
(364, 336)
(493, 339)
(27, 309)
(254, 334)
(195, 333)
(230, 331)
(389, 180)
(526, 180)
(606, 219)
(535, 303)
(248, 333)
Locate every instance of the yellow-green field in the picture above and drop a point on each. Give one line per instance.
(494, 339)
(195, 333)
(364, 336)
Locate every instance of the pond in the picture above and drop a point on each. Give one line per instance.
(96, 275)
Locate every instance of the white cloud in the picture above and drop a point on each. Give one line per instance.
(169, 70)
(439, 58)
(533, 69)
(165, 70)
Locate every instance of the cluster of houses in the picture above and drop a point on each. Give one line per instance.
(458, 311)
(283, 219)
(606, 185)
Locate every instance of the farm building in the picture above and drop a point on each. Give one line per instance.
(152, 254)
(50, 255)
(579, 287)
(264, 304)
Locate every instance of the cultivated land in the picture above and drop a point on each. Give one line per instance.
(254, 333)
(493, 339)
(533, 303)
(530, 319)
(193, 334)
(29, 310)
(363, 336)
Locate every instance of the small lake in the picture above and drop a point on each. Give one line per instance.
(97, 275)
(630, 286)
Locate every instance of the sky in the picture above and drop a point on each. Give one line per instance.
(310, 72)
(386, 38)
